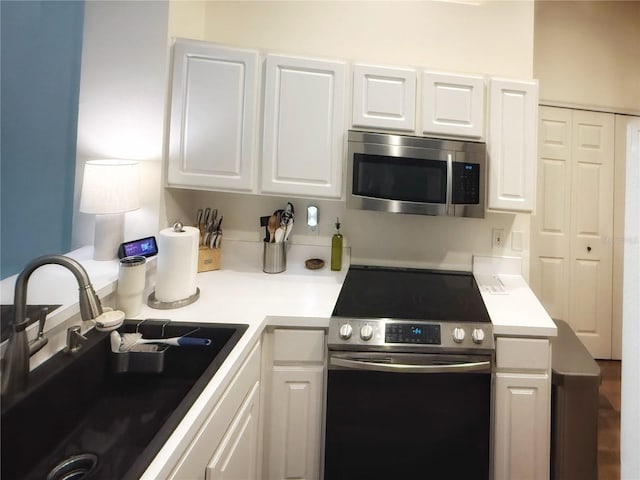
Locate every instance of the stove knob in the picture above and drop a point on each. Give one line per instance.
(477, 335)
(458, 335)
(366, 332)
(345, 331)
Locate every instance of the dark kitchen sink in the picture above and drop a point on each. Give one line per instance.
(32, 312)
(89, 416)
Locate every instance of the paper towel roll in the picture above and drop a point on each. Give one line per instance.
(177, 264)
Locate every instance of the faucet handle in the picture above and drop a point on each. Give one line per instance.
(42, 316)
(40, 341)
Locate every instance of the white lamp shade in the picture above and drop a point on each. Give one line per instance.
(110, 186)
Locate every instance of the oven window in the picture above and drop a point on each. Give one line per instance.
(400, 178)
(407, 426)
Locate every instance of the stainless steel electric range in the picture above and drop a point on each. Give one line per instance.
(411, 362)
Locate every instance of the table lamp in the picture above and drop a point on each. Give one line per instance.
(109, 189)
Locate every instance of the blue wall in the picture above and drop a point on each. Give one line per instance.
(40, 79)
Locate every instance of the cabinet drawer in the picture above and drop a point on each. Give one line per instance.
(522, 353)
(298, 345)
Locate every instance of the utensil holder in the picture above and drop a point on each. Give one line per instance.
(208, 259)
(139, 362)
(274, 257)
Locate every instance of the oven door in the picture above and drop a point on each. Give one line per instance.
(408, 416)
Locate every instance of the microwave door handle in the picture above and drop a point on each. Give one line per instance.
(449, 197)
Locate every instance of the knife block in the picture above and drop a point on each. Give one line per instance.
(208, 259)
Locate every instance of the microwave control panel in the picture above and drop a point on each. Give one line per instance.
(466, 183)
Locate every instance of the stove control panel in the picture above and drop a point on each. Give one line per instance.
(412, 333)
(350, 333)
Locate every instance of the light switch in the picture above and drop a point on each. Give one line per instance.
(516, 241)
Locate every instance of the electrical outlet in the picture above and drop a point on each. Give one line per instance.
(497, 238)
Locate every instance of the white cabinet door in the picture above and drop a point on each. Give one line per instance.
(293, 376)
(512, 145)
(453, 104)
(226, 438)
(304, 113)
(521, 444)
(294, 440)
(213, 103)
(237, 455)
(384, 97)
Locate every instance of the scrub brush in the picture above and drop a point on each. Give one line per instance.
(130, 340)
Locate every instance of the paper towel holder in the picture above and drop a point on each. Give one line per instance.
(153, 302)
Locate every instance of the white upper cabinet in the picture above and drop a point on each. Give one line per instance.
(213, 104)
(304, 112)
(512, 144)
(453, 104)
(384, 97)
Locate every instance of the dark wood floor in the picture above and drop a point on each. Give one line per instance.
(609, 421)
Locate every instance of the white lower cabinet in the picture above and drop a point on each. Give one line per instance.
(237, 454)
(294, 404)
(522, 443)
(227, 445)
(296, 411)
(522, 409)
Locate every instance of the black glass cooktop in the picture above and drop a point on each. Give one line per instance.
(412, 294)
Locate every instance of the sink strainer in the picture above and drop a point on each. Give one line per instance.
(74, 468)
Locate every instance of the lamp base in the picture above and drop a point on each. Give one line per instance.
(109, 234)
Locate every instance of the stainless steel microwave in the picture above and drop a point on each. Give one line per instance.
(418, 175)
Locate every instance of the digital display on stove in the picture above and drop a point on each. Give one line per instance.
(424, 334)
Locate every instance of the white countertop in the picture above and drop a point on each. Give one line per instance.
(240, 292)
(513, 307)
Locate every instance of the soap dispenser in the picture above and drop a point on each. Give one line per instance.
(336, 248)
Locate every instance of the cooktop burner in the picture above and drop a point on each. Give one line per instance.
(410, 294)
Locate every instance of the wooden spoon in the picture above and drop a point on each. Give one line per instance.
(272, 226)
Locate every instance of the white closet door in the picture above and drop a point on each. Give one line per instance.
(551, 225)
(572, 230)
(592, 230)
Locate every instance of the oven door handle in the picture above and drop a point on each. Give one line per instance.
(484, 366)
(449, 195)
